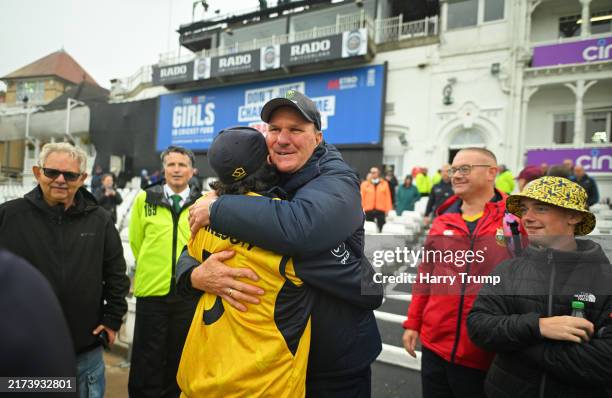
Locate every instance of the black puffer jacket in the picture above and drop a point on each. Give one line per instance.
(79, 252)
(543, 283)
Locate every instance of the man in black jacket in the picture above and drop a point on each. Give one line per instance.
(439, 193)
(322, 213)
(59, 228)
(107, 196)
(588, 183)
(542, 351)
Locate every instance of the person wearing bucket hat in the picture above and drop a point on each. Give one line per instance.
(321, 223)
(561, 193)
(543, 348)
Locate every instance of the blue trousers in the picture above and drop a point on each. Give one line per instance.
(90, 374)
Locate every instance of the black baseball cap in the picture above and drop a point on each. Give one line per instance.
(236, 153)
(297, 101)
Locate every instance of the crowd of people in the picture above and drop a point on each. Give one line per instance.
(520, 337)
(261, 287)
(380, 195)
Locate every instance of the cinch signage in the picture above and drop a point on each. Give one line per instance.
(594, 160)
(600, 52)
(578, 52)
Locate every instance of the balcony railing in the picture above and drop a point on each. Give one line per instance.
(143, 75)
(573, 39)
(245, 11)
(379, 31)
(343, 23)
(126, 85)
(394, 29)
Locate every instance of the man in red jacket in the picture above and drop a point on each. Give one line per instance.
(475, 221)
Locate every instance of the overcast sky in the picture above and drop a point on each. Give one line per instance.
(108, 38)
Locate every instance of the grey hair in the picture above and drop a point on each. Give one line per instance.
(64, 147)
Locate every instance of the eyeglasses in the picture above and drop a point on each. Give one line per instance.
(465, 169)
(537, 209)
(54, 173)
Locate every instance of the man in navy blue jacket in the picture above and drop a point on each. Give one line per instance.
(322, 212)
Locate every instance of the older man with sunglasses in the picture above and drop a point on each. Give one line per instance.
(60, 229)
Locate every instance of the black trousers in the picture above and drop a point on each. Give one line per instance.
(378, 216)
(442, 379)
(351, 386)
(160, 331)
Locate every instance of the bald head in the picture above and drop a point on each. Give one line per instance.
(444, 172)
(484, 152)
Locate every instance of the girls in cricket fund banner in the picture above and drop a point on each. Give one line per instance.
(350, 102)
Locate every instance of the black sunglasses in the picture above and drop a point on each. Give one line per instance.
(54, 173)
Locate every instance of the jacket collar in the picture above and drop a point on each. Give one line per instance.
(453, 204)
(587, 252)
(156, 196)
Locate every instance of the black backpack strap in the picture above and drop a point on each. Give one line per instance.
(516, 238)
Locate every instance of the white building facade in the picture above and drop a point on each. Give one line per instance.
(528, 79)
(490, 82)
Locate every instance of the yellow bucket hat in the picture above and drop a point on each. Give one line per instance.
(557, 191)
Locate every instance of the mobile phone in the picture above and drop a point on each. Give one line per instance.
(104, 340)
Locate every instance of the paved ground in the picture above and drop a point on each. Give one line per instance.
(388, 381)
(116, 376)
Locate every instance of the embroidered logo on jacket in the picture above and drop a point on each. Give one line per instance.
(585, 297)
(500, 239)
(341, 252)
